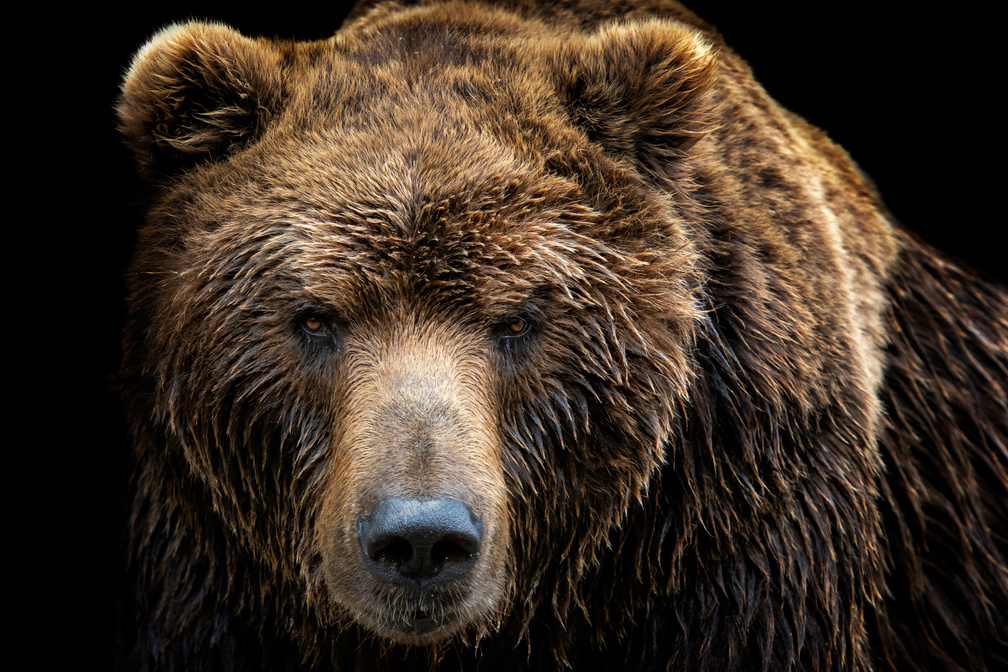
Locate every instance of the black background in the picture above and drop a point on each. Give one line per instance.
(911, 95)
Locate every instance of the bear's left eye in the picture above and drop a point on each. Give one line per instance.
(518, 326)
(513, 334)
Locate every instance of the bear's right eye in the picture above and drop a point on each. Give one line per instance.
(317, 329)
(314, 325)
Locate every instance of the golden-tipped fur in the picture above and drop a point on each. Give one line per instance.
(571, 267)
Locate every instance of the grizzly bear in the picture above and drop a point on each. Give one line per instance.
(492, 336)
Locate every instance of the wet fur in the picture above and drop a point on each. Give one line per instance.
(754, 425)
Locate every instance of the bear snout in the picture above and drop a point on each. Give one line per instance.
(423, 542)
(414, 528)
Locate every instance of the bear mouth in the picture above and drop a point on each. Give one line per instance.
(419, 626)
(421, 622)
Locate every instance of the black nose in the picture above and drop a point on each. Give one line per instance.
(420, 540)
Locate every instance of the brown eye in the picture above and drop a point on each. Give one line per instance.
(313, 324)
(319, 330)
(513, 335)
(517, 327)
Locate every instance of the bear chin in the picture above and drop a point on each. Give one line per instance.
(415, 628)
(406, 617)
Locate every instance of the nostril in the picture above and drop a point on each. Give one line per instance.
(420, 540)
(392, 551)
(453, 550)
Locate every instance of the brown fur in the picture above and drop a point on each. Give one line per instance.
(571, 267)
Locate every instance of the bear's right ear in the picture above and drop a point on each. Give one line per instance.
(195, 91)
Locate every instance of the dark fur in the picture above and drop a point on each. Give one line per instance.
(753, 424)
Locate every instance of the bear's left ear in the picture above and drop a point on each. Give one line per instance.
(641, 90)
(195, 91)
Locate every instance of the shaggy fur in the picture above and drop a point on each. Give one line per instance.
(572, 268)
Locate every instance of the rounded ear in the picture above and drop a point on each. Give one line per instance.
(195, 91)
(641, 90)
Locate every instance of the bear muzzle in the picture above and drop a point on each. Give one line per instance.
(420, 547)
(414, 529)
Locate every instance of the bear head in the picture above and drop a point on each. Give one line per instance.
(408, 311)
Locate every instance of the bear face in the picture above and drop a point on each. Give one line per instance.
(476, 326)
(394, 307)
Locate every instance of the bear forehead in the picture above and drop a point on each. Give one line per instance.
(433, 193)
(495, 241)
(456, 211)
(418, 152)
